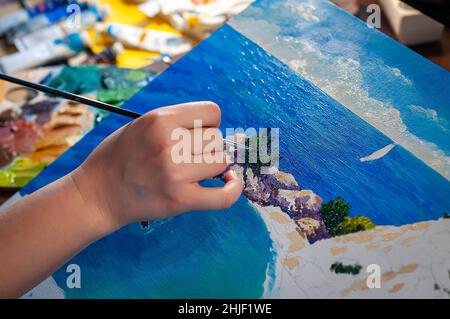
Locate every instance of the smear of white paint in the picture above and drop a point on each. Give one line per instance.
(378, 154)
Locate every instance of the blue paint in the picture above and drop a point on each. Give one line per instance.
(321, 141)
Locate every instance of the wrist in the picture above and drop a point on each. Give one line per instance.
(95, 208)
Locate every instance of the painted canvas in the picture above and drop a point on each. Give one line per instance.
(362, 188)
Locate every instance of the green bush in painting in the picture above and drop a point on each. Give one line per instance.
(353, 225)
(333, 213)
(336, 217)
(340, 268)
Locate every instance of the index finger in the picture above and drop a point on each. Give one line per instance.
(185, 115)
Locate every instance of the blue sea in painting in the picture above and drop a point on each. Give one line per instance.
(229, 253)
(399, 92)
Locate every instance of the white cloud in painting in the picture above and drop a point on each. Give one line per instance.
(304, 11)
(266, 31)
(341, 78)
(430, 114)
(396, 72)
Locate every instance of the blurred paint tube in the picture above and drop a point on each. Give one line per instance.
(45, 53)
(149, 40)
(196, 25)
(166, 7)
(106, 56)
(192, 17)
(210, 8)
(44, 20)
(17, 17)
(58, 31)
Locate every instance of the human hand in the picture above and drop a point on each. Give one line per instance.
(131, 176)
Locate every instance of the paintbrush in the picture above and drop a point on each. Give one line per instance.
(88, 101)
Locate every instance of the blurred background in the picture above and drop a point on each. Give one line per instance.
(108, 50)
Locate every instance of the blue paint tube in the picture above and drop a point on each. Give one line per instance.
(58, 31)
(45, 53)
(42, 21)
(20, 16)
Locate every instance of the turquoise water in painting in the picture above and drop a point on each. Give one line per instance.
(229, 253)
(198, 255)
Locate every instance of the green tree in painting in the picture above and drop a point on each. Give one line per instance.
(333, 213)
(253, 144)
(336, 217)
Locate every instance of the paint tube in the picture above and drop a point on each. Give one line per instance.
(185, 16)
(44, 53)
(88, 18)
(17, 17)
(106, 56)
(166, 7)
(44, 20)
(149, 40)
(194, 24)
(208, 8)
(194, 17)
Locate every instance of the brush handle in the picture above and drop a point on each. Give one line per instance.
(85, 100)
(70, 96)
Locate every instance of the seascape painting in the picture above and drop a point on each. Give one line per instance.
(363, 181)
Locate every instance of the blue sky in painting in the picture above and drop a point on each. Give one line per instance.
(399, 92)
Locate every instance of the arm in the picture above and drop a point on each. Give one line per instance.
(130, 176)
(41, 232)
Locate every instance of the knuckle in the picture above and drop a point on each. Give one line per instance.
(220, 168)
(163, 147)
(176, 198)
(227, 200)
(155, 121)
(171, 175)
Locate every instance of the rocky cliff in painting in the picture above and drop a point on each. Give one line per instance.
(282, 190)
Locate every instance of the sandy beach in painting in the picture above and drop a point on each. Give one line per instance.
(303, 269)
(286, 239)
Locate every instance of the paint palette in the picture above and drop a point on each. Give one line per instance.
(35, 129)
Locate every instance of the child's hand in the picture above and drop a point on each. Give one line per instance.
(131, 175)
